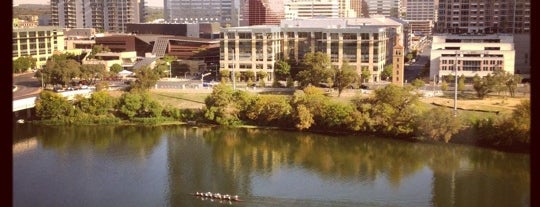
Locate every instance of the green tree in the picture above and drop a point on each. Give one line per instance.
(345, 77)
(308, 107)
(146, 79)
(169, 59)
(115, 68)
(444, 85)
(417, 83)
(290, 82)
(129, 104)
(521, 122)
(223, 106)
(316, 69)
(387, 72)
(23, 63)
(461, 83)
(512, 83)
(52, 106)
(137, 104)
(499, 79)
(91, 72)
(98, 48)
(438, 124)
(483, 86)
(282, 70)
(262, 75)
(61, 71)
(100, 103)
(337, 115)
(409, 57)
(391, 110)
(225, 74)
(269, 109)
(248, 75)
(365, 74)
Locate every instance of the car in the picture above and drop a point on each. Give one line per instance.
(364, 86)
(210, 84)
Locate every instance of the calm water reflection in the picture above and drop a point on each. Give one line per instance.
(160, 166)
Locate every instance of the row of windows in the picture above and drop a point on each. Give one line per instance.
(305, 35)
(471, 68)
(473, 62)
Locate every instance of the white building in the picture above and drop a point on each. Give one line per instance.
(38, 42)
(422, 10)
(305, 9)
(384, 7)
(471, 54)
(363, 42)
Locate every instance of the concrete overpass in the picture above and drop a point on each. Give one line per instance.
(29, 103)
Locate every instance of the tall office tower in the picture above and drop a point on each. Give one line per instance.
(384, 7)
(244, 12)
(356, 5)
(302, 9)
(103, 15)
(142, 11)
(306, 9)
(266, 12)
(484, 16)
(196, 11)
(345, 9)
(421, 10)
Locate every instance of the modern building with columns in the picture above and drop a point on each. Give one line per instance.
(471, 54)
(363, 42)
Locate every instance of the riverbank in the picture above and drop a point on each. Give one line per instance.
(398, 114)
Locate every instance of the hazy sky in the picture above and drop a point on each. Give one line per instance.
(16, 2)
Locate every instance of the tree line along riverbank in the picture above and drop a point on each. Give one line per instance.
(390, 111)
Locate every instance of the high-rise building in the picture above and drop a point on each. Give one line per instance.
(142, 11)
(305, 9)
(421, 10)
(345, 9)
(384, 7)
(484, 16)
(195, 11)
(301, 9)
(356, 5)
(108, 16)
(266, 12)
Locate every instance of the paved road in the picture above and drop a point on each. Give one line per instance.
(413, 69)
(27, 86)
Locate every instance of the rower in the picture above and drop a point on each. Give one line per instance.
(235, 197)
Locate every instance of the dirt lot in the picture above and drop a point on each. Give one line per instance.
(194, 98)
(491, 103)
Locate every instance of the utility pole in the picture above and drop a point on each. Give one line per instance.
(455, 84)
(234, 69)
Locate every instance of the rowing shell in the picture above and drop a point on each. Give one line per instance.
(216, 198)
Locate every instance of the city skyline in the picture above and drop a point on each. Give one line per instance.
(152, 3)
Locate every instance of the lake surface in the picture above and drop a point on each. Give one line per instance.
(161, 166)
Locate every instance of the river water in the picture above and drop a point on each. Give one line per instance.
(161, 166)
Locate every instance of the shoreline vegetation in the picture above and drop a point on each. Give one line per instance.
(392, 111)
